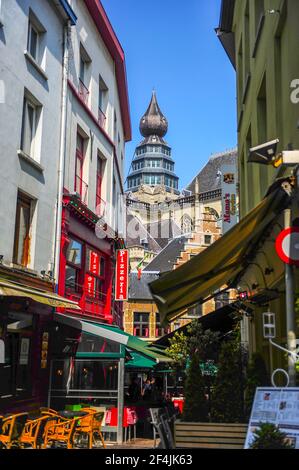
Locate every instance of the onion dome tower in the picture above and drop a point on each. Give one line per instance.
(152, 165)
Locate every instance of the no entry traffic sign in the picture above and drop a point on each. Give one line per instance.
(287, 245)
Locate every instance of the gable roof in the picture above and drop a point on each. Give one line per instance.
(166, 259)
(209, 176)
(139, 288)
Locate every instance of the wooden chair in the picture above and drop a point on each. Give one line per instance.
(48, 411)
(12, 428)
(61, 432)
(33, 432)
(90, 426)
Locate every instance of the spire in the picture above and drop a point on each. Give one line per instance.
(153, 122)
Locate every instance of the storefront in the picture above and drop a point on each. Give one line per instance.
(88, 365)
(25, 315)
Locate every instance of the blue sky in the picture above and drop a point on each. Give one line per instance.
(171, 45)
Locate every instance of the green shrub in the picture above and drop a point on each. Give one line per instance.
(227, 404)
(256, 376)
(268, 436)
(195, 407)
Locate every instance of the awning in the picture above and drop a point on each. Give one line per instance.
(219, 264)
(13, 289)
(220, 320)
(113, 333)
(139, 361)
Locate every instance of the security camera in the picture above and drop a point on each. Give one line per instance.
(264, 154)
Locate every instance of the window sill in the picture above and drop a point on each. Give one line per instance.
(30, 160)
(35, 64)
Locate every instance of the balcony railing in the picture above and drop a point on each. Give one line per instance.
(101, 119)
(90, 301)
(83, 92)
(81, 188)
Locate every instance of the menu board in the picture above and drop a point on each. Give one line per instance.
(279, 406)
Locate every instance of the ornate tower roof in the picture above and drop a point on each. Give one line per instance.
(153, 123)
(152, 169)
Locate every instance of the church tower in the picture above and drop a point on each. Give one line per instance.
(152, 177)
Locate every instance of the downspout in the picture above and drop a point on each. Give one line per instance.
(62, 151)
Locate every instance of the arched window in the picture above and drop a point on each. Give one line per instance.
(187, 225)
(211, 211)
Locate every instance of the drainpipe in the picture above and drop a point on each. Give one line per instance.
(62, 151)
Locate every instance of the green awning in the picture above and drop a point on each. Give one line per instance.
(219, 264)
(113, 333)
(139, 361)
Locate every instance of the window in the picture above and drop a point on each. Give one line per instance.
(33, 41)
(30, 127)
(141, 324)
(22, 238)
(16, 371)
(80, 186)
(99, 181)
(208, 239)
(36, 44)
(102, 102)
(240, 73)
(160, 331)
(246, 51)
(74, 265)
(84, 63)
(186, 224)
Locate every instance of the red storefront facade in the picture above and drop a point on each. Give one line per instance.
(87, 264)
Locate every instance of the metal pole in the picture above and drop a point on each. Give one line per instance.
(120, 400)
(290, 309)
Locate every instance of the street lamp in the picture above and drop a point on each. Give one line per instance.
(266, 154)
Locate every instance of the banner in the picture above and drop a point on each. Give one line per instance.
(122, 275)
(279, 406)
(229, 197)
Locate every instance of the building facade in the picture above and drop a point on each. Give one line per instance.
(98, 125)
(65, 120)
(259, 37)
(31, 86)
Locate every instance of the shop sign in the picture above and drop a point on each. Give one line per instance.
(278, 406)
(122, 275)
(44, 353)
(229, 197)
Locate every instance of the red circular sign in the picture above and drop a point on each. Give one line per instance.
(287, 245)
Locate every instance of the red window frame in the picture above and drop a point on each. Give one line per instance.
(141, 328)
(78, 268)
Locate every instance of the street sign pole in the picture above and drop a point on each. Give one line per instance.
(290, 309)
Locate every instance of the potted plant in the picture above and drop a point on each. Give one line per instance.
(268, 436)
